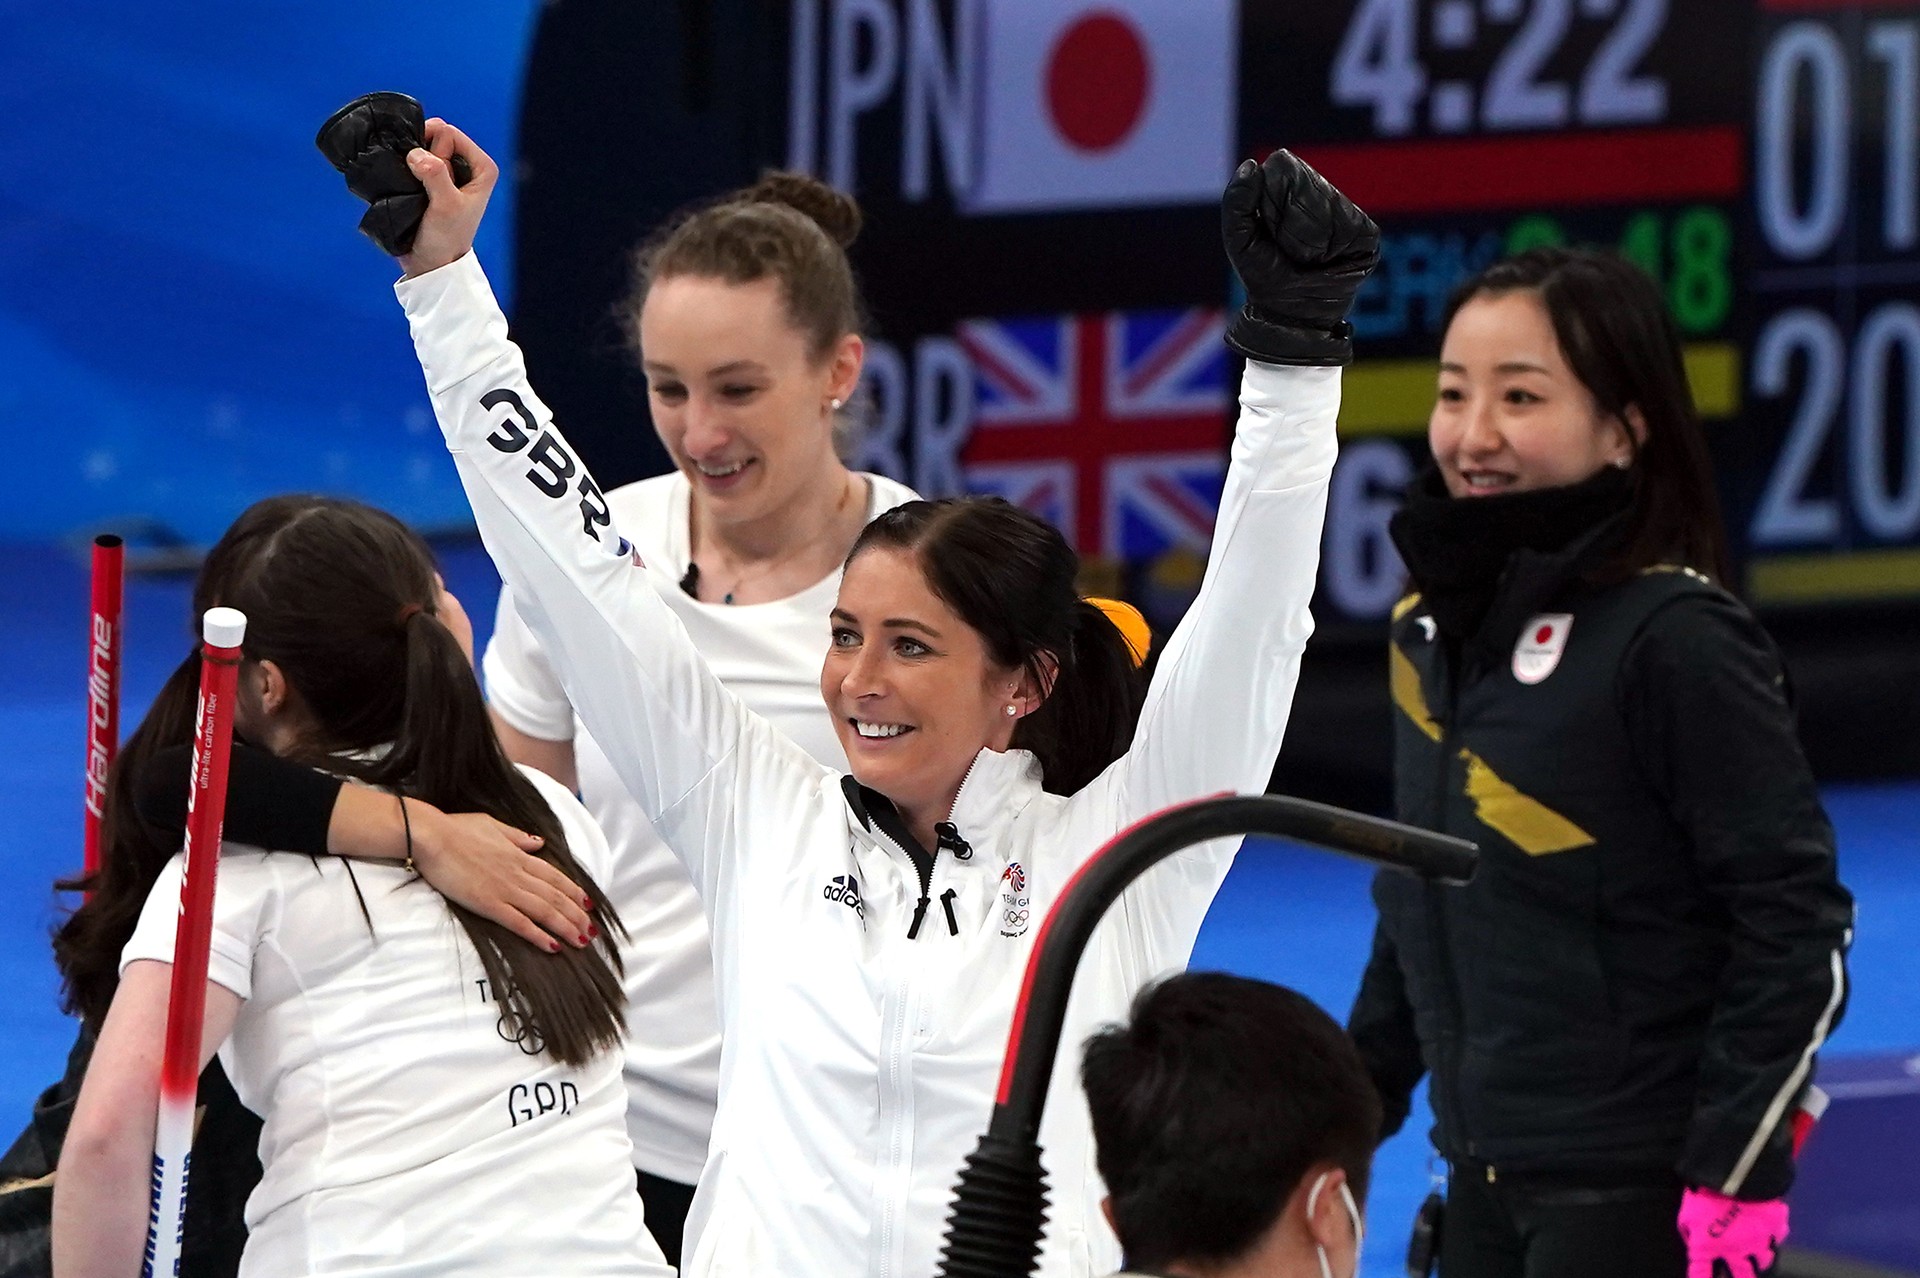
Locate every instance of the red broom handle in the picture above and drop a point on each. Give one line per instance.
(222, 630)
(103, 684)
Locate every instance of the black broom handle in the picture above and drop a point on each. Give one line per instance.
(1034, 1038)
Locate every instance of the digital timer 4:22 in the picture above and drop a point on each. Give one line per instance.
(1379, 64)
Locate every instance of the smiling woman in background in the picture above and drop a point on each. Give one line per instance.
(1620, 1011)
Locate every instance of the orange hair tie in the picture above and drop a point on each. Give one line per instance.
(1132, 626)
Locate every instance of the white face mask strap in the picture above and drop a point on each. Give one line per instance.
(1353, 1211)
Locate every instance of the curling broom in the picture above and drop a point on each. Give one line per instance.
(222, 631)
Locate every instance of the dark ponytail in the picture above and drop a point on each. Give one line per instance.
(444, 752)
(342, 598)
(1011, 576)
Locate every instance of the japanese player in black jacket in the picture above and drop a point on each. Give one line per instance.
(1621, 1011)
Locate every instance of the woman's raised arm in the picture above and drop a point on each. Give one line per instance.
(687, 750)
(1221, 695)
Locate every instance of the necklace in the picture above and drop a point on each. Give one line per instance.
(690, 580)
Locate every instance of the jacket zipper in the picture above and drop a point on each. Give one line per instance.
(899, 1012)
(946, 837)
(896, 1097)
(922, 872)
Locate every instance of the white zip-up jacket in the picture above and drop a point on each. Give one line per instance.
(858, 1064)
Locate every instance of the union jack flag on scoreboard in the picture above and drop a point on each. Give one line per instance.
(1112, 427)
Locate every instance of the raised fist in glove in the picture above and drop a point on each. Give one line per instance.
(1744, 1237)
(369, 139)
(1301, 249)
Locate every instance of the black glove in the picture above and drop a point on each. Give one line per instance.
(369, 139)
(1301, 248)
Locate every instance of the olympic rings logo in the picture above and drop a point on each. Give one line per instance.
(516, 1025)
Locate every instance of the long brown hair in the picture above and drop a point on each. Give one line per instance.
(342, 598)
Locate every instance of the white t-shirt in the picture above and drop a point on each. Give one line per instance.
(405, 1136)
(770, 655)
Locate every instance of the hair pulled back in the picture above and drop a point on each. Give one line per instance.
(1011, 576)
(1621, 342)
(343, 598)
(788, 227)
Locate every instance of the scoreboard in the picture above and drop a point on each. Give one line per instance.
(1829, 466)
(1758, 162)
(1042, 256)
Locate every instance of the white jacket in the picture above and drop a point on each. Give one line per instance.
(858, 1067)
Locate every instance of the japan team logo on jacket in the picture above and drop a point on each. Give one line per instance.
(1540, 646)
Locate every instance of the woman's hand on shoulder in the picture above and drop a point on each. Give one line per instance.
(453, 212)
(487, 866)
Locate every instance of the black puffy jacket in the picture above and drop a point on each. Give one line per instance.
(1652, 948)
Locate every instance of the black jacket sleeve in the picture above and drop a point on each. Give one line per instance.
(270, 803)
(1381, 1024)
(1704, 696)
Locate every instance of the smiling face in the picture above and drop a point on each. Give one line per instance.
(912, 689)
(744, 411)
(1511, 416)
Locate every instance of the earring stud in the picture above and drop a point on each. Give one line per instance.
(1013, 709)
(834, 404)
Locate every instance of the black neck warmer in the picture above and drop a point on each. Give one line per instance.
(1458, 549)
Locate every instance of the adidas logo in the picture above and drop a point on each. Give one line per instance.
(845, 889)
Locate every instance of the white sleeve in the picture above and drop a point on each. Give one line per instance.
(236, 926)
(585, 840)
(1222, 691)
(702, 767)
(520, 682)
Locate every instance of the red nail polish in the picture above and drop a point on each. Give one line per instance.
(583, 941)
(553, 947)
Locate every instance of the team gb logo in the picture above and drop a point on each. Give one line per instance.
(1016, 917)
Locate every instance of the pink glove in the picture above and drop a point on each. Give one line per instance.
(1740, 1235)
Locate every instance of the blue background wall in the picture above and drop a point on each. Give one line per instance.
(188, 319)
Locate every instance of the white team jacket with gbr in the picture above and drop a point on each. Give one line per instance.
(858, 1066)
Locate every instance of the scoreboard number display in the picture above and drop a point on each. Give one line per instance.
(1761, 162)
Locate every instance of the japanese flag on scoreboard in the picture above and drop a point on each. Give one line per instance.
(1104, 104)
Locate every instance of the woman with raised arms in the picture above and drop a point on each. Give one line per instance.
(870, 928)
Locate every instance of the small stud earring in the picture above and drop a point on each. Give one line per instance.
(1622, 463)
(834, 404)
(1013, 709)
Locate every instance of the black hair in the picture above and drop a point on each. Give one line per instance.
(1210, 1106)
(1621, 342)
(343, 598)
(1011, 576)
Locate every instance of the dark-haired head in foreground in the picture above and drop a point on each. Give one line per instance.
(1235, 1128)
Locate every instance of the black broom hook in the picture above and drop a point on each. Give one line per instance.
(999, 1207)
